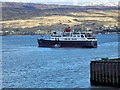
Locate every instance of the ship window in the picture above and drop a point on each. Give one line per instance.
(54, 33)
(65, 38)
(89, 35)
(74, 39)
(68, 38)
(78, 35)
(56, 38)
(82, 35)
(74, 36)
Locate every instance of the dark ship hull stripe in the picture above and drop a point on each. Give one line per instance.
(76, 44)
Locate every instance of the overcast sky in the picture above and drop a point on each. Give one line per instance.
(59, 1)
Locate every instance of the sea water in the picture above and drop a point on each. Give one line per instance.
(25, 65)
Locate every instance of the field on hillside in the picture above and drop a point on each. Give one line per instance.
(92, 19)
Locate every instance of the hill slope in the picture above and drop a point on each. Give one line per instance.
(32, 18)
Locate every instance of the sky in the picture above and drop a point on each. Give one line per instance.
(73, 2)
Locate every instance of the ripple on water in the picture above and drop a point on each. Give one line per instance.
(26, 65)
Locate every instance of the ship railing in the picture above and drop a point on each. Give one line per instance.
(56, 35)
(91, 37)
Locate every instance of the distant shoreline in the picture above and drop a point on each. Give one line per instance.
(47, 34)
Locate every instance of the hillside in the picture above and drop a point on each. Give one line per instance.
(30, 18)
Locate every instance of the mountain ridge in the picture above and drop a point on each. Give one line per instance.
(12, 9)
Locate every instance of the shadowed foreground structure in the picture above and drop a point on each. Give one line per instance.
(105, 72)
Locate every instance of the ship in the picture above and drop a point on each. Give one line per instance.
(69, 38)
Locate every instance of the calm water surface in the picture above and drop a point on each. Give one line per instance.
(27, 66)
